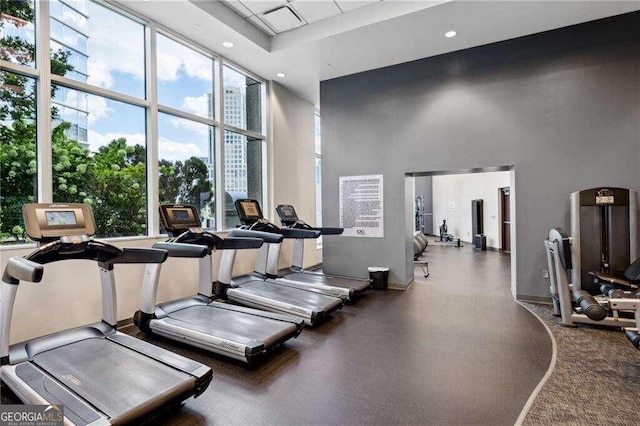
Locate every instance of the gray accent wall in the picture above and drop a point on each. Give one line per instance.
(561, 107)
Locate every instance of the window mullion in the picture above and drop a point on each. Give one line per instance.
(220, 143)
(153, 224)
(43, 96)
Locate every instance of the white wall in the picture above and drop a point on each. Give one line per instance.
(460, 190)
(69, 294)
(293, 165)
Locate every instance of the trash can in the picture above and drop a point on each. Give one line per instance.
(379, 277)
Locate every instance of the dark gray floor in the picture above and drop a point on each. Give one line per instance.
(453, 349)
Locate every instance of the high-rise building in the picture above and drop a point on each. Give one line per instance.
(235, 155)
(70, 34)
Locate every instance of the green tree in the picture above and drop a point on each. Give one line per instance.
(185, 183)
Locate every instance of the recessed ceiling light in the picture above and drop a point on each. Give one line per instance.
(227, 44)
(198, 26)
(281, 75)
(450, 34)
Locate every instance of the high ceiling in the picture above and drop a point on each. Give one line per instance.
(275, 17)
(378, 34)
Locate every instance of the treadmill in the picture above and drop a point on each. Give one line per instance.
(355, 287)
(97, 374)
(251, 217)
(254, 291)
(236, 332)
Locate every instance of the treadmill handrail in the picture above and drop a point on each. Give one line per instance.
(300, 233)
(96, 250)
(239, 243)
(267, 237)
(202, 237)
(20, 269)
(183, 249)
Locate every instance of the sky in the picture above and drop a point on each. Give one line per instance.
(116, 62)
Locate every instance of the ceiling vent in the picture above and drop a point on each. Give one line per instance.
(282, 19)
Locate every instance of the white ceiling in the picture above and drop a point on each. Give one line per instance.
(296, 12)
(383, 33)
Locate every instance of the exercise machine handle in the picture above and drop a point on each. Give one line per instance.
(183, 249)
(267, 237)
(20, 269)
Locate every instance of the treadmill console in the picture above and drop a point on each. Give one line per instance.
(54, 221)
(249, 211)
(179, 218)
(287, 214)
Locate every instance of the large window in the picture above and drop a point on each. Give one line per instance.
(17, 153)
(242, 172)
(93, 44)
(185, 78)
(242, 101)
(17, 32)
(187, 165)
(106, 165)
(107, 112)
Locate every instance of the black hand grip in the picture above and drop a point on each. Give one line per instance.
(300, 233)
(183, 250)
(141, 255)
(20, 269)
(330, 231)
(267, 237)
(240, 243)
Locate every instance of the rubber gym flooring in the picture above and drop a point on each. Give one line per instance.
(453, 349)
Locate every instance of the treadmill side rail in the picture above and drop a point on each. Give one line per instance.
(34, 386)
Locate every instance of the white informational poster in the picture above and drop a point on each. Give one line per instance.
(361, 206)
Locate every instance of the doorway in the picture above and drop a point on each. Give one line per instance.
(451, 195)
(505, 219)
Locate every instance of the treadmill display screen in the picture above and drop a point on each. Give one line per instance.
(288, 213)
(61, 218)
(181, 215)
(250, 209)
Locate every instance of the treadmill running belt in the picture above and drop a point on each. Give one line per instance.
(326, 280)
(114, 379)
(293, 296)
(241, 328)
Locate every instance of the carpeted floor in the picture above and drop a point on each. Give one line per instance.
(596, 379)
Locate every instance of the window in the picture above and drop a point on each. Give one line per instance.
(98, 149)
(242, 172)
(318, 176)
(17, 153)
(93, 44)
(102, 119)
(242, 101)
(187, 165)
(185, 78)
(17, 34)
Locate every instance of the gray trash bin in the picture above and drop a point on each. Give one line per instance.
(379, 277)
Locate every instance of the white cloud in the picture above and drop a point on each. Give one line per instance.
(199, 105)
(192, 126)
(98, 108)
(115, 44)
(174, 58)
(173, 151)
(96, 140)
